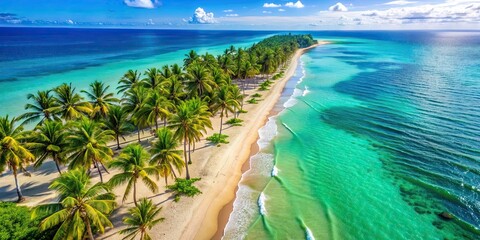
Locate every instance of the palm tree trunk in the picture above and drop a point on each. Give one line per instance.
(221, 122)
(156, 123)
(166, 183)
(58, 167)
(174, 174)
(135, 192)
(99, 171)
(138, 133)
(165, 122)
(118, 142)
(104, 168)
(189, 153)
(89, 228)
(17, 185)
(185, 157)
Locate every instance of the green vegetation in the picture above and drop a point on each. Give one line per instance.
(184, 187)
(16, 224)
(79, 129)
(218, 138)
(142, 218)
(235, 122)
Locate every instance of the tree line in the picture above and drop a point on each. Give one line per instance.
(73, 128)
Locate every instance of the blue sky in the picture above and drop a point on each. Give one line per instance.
(244, 14)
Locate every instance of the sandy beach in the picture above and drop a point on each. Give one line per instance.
(220, 168)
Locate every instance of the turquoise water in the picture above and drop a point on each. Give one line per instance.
(378, 136)
(33, 59)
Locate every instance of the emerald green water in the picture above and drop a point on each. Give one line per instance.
(377, 138)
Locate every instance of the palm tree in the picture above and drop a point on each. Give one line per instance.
(133, 162)
(268, 63)
(224, 102)
(132, 102)
(49, 140)
(165, 154)
(117, 121)
(152, 79)
(191, 57)
(88, 145)
(100, 99)
(40, 109)
(142, 218)
(13, 152)
(174, 90)
(166, 72)
(199, 79)
(129, 80)
(155, 106)
(238, 96)
(70, 104)
(81, 207)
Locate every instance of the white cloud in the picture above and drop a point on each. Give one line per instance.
(271, 5)
(150, 22)
(338, 7)
(266, 12)
(202, 17)
(298, 4)
(232, 15)
(281, 10)
(70, 21)
(228, 10)
(399, 2)
(141, 3)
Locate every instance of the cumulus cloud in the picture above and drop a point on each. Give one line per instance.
(70, 21)
(142, 3)
(281, 10)
(202, 17)
(271, 5)
(232, 15)
(266, 12)
(399, 2)
(338, 7)
(9, 18)
(298, 4)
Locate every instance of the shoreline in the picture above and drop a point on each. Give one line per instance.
(220, 168)
(244, 163)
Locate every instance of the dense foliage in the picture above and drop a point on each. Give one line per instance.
(16, 224)
(184, 187)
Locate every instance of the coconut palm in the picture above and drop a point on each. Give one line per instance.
(132, 102)
(100, 99)
(88, 145)
(70, 104)
(165, 154)
(40, 108)
(133, 163)
(238, 96)
(224, 102)
(13, 153)
(82, 207)
(152, 79)
(174, 90)
(199, 80)
(117, 121)
(191, 57)
(49, 140)
(268, 63)
(156, 106)
(141, 219)
(129, 80)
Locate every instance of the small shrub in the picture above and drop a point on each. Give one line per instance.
(184, 187)
(235, 122)
(257, 95)
(218, 138)
(252, 101)
(242, 111)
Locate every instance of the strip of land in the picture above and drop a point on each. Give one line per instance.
(220, 168)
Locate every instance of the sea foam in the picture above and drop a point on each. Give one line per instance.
(261, 204)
